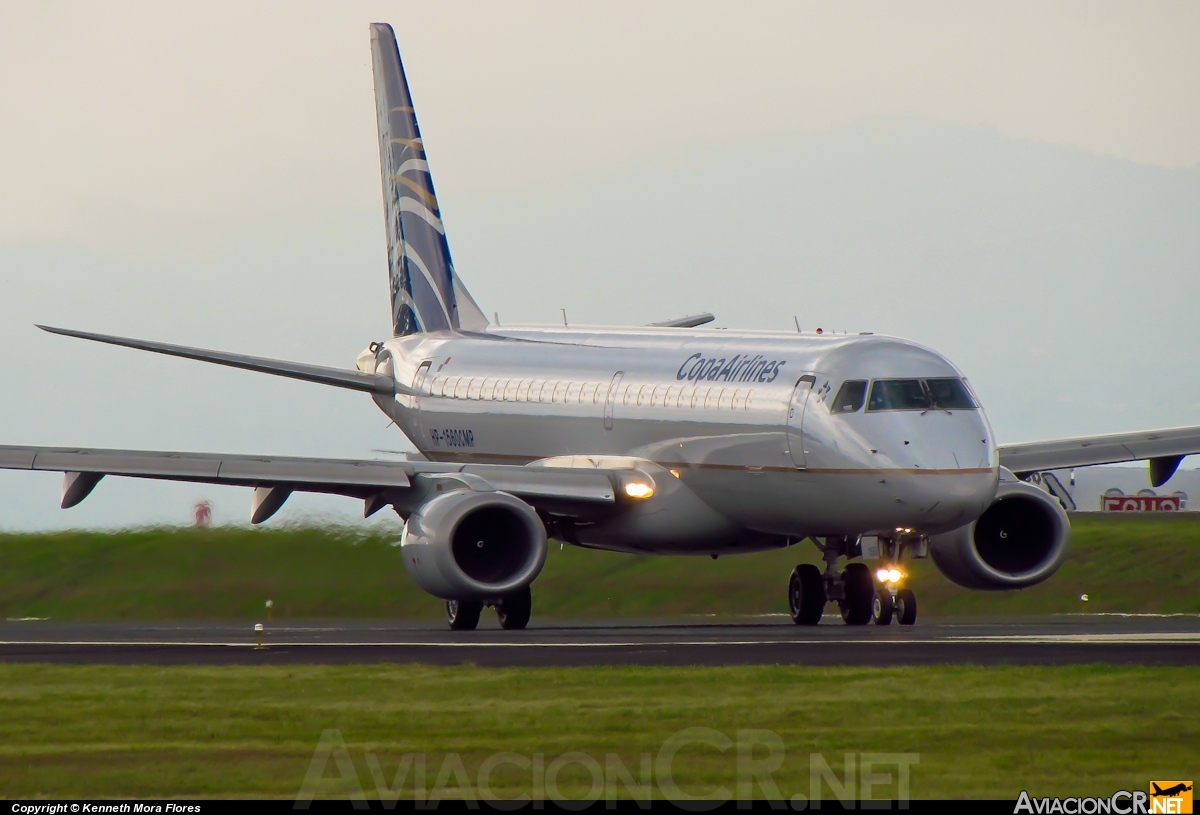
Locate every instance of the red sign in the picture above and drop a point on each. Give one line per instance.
(1140, 503)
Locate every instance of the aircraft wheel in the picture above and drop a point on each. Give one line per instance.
(906, 606)
(514, 609)
(860, 594)
(806, 595)
(463, 615)
(883, 608)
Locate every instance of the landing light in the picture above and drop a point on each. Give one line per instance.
(636, 489)
(889, 575)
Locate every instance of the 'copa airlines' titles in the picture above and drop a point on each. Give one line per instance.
(741, 368)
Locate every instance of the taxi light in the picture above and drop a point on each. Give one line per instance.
(894, 576)
(636, 489)
(882, 575)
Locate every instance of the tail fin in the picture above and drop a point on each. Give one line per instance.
(427, 295)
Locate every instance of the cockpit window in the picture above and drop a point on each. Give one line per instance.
(950, 394)
(850, 397)
(898, 394)
(920, 394)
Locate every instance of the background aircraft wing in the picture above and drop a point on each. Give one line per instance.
(1163, 448)
(571, 492)
(690, 321)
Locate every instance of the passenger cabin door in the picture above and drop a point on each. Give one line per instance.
(420, 378)
(795, 424)
(610, 400)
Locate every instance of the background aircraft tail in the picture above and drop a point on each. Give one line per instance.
(426, 293)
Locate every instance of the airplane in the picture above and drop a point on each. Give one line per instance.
(670, 439)
(1169, 792)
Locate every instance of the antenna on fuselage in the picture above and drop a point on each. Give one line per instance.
(564, 311)
(496, 314)
(797, 321)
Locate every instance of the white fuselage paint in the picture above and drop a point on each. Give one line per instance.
(742, 458)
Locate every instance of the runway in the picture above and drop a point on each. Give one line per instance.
(1056, 640)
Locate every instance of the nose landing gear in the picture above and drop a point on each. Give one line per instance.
(853, 588)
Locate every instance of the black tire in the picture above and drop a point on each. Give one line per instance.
(514, 609)
(906, 606)
(883, 607)
(859, 588)
(806, 595)
(463, 615)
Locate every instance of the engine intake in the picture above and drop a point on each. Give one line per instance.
(1020, 540)
(467, 545)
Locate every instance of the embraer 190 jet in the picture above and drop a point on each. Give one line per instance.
(664, 439)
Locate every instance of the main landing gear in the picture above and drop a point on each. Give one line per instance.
(512, 610)
(854, 588)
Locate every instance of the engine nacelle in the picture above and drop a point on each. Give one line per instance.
(467, 545)
(1020, 540)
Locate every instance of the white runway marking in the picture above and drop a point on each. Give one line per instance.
(1163, 638)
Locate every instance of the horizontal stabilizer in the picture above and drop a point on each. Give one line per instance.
(321, 374)
(691, 321)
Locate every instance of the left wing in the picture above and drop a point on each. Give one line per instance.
(321, 374)
(1163, 448)
(567, 491)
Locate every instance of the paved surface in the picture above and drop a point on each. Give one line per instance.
(1057, 640)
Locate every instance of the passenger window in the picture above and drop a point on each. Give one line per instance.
(850, 397)
(473, 388)
(573, 391)
(625, 396)
(560, 391)
(749, 396)
(733, 402)
(460, 388)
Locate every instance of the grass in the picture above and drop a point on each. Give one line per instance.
(95, 731)
(1123, 564)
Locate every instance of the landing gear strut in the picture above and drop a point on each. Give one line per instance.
(852, 588)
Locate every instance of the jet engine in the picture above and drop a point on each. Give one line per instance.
(1020, 540)
(468, 545)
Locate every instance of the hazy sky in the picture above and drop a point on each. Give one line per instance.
(208, 174)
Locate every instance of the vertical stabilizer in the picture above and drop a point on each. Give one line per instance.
(426, 293)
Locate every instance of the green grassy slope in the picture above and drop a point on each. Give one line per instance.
(1123, 564)
(96, 731)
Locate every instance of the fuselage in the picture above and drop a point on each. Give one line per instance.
(745, 421)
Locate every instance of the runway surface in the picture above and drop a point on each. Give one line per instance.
(1056, 640)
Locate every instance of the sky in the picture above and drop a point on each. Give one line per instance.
(1015, 184)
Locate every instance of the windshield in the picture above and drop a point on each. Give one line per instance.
(850, 397)
(950, 394)
(920, 394)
